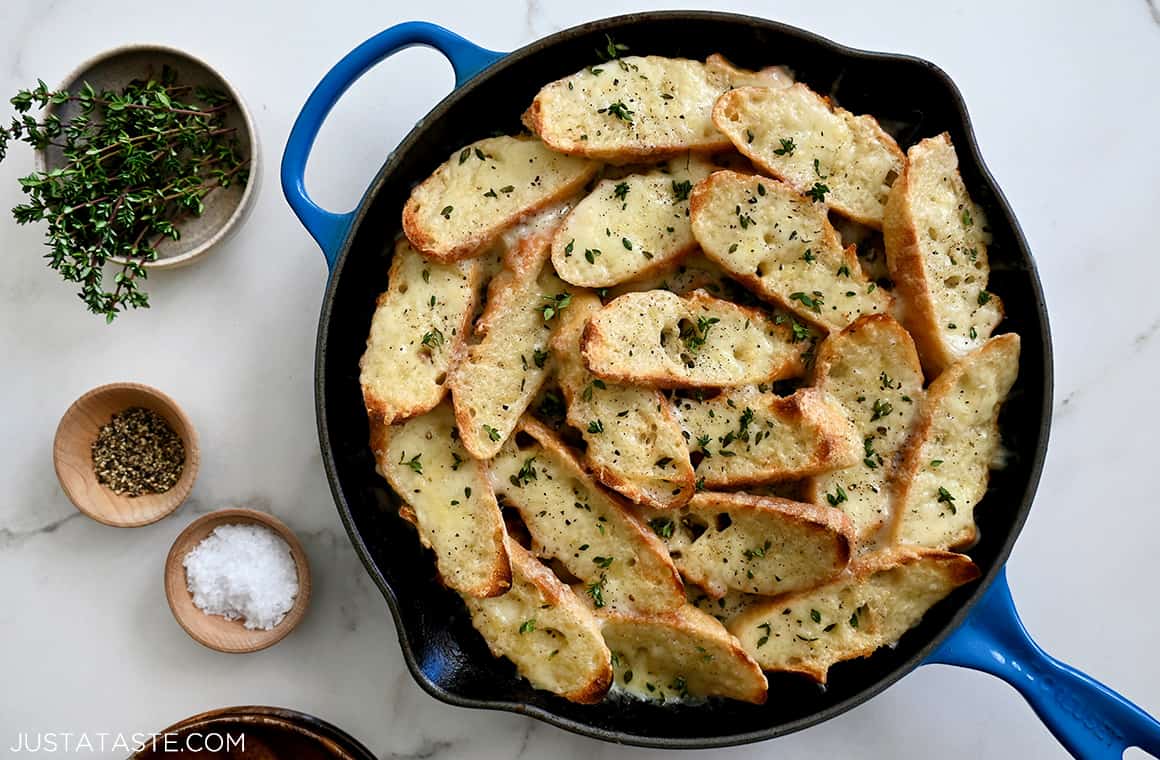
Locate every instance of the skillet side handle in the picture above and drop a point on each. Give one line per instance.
(1089, 719)
(326, 227)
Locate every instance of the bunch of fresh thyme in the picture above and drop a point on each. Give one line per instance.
(137, 162)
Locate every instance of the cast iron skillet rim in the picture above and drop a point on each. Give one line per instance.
(780, 729)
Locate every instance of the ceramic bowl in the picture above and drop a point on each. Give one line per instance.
(258, 732)
(73, 459)
(224, 208)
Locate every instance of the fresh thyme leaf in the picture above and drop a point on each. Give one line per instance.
(413, 463)
(662, 526)
(758, 552)
(818, 192)
(596, 591)
(612, 49)
(881, 409)
(596, 427)
(694, 336)
(682, 189)
(526, 474)
(787, 147)
(433, 339)
(619, 110)
(620, 192)
(814, 303)
(528, 626)
(835, 499)
(603, 562)
(539, 357)
(137, 163)
(492, 433)
(556, 304)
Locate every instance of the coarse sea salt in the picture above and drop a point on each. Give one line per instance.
(243, 572)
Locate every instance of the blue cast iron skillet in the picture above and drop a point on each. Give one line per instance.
(975, 627)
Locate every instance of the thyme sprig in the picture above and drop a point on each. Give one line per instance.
(137, 163)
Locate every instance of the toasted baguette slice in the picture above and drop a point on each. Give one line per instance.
(629, 226)
(770, 76)
(683, 276)
(485, 188)
(883, 596)
(947, 464)
(635, 108)
(450, 500)
(755, 544)
(780, 244)
(551, 637)
(850, 156)
(679, 655)
(499, 376)
(635, 444)
(745, 436)
(698, 341)
(621, 562)
(413, 342)
(872, 369)
(936, 248)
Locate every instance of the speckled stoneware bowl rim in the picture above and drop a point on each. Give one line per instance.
(230, 225)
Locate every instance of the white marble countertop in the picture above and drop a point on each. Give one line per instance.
(1064, 100)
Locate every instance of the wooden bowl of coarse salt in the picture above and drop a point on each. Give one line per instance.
(237, 580)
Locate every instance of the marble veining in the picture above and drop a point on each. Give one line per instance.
(86, 639)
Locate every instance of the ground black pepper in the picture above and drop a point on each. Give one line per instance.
(137, 452)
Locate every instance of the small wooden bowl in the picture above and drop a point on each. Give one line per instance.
(73, 457)
(214, 631)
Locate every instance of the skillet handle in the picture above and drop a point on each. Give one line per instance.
(1088, 718)
(326, 227)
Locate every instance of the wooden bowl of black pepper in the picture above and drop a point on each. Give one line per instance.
(125, 454)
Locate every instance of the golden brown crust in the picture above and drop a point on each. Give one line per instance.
(820, 421)
(827, 351)
(477, 244)
(744, 147)
(533, 119)
(652, 565)
(957, 569)
(823, 519)
(829, 527)
(498, 578)
(582, 400)
(557, 594)
(380, 410)
(791, 365)
(904, 259)
(938, 391)
(744, 681)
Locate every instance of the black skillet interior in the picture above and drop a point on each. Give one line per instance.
(447, 657)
